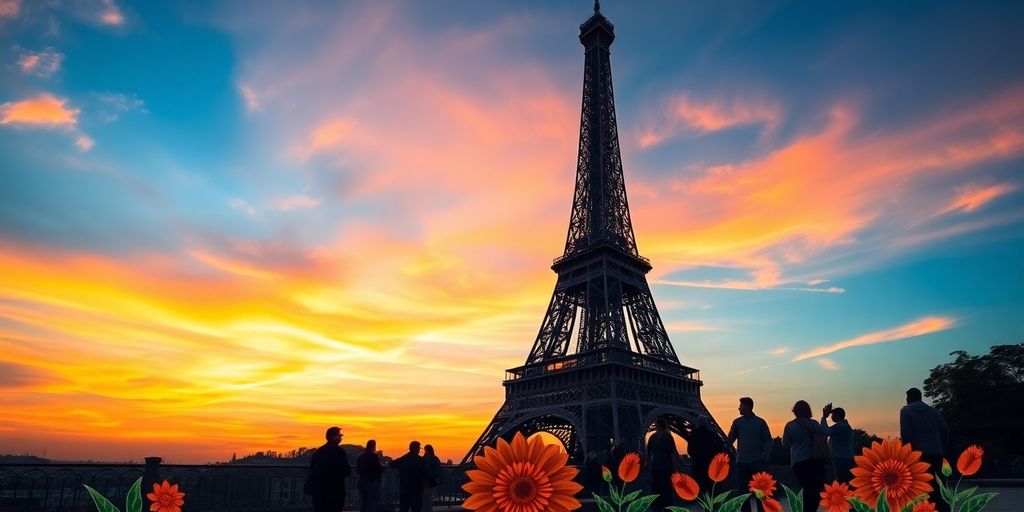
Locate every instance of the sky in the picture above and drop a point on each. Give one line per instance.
(225, 226)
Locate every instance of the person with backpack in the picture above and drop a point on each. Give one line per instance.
(808, 453)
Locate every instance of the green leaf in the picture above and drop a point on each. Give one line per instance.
(860, 506)
(705, 501)
(133, 502)
(630, 497)
(603, 505)
(909, 506)
(882, 505)
(642, 504)
(675, 508)
(616, 498)
(964, 494)
(796, 500)
(978, 502)
(734, 504)
(102, 504)
(947, 493)
(721, 497)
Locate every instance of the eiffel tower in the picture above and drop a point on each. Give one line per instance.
(602, 369)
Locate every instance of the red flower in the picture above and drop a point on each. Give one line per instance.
(629, 467)
(719, 468)
(685, 486)
(166, 498)
(836, 497)
(924, 506)
(771, 505)
(970, 460)
(762, 483)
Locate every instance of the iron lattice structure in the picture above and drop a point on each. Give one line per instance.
(602, 368)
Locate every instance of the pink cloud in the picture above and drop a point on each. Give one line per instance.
(9, 8)
(972, 197)
(111, 14)
(682, 114)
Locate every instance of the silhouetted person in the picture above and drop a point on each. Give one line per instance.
(798, 436)
(410, 479)
(369, 469)
(753, 445)
(327, 471)
(431, 477)
(923, 428)
(661, 457)
(840, 441)
(701, 447)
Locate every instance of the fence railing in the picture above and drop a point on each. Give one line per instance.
(208, 488)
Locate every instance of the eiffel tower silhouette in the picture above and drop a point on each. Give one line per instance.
(602, 369)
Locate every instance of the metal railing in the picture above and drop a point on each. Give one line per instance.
(208, 488)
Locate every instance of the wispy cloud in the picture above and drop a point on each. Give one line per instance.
(913, 329)
(290, 203)
(110, 14)
(43, 63)
(780, 351)
(972, 197)
(252, 100)
(827, 364)
(242, 206)
(748, 285)
(115, 104)
(684, 114)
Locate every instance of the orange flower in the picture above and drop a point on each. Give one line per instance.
(835, 497)
(970, 460)
(606, 474)
(166, 498)
(685, 486)
(522, 476)
(629, 467)
(924, 506)
(719, 468)
(762, 484)
(771, 505)
(893, 466)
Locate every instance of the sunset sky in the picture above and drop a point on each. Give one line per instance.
(226, 226)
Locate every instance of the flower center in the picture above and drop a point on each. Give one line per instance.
(523, 489)
(894, 476)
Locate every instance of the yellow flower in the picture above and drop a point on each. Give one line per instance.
(894, 467)
(522, 476)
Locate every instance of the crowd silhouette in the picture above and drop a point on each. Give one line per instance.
(814, 446)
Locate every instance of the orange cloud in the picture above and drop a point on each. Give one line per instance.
(683, 113)
(326, 135)
(42, 110)
(913, 329)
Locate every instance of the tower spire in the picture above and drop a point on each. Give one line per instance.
(597, 6)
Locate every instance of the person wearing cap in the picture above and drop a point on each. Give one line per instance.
(327, 472)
